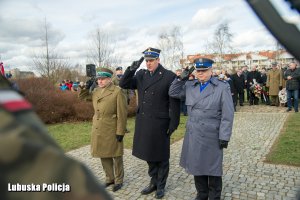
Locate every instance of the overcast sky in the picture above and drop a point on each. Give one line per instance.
(136, 23)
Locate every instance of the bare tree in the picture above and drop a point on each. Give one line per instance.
(221, 43)
(48, 63)
(102, 49)
(171, 45)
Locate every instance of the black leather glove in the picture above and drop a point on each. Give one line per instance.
(136, 64)
(170, 131)
(119, 138)
(93, 86)
(89, 83)
(223, 144)
(186, 73)
(280, 87)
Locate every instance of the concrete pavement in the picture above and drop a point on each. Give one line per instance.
(246, 175)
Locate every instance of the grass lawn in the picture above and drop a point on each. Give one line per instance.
(286, 148)
(74, 135)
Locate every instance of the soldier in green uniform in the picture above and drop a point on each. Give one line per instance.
(32, 165)
(109, 125)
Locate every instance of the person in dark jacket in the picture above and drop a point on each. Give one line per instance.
(157, 117)
(245, 73)
(292, 75)
(263, 79)
(238, 80)
(253, 77)
(208, 129)
(227, 78)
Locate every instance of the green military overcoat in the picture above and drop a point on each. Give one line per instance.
(109, 120)
(274, 80)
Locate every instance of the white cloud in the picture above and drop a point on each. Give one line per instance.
(206, 18)
(295, 19)
(134, 23)
(254, 40)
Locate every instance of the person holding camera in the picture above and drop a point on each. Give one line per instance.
(208, 129)
(157, 117)
(109, 125)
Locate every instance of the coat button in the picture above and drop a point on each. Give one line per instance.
(145, 91)
(97, 110)
(97, 119)
(143, 113)
(152, 93)
(144, 102)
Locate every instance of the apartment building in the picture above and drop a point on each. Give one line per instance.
(262, 59)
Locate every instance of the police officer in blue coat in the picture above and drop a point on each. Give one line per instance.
(208, 129)
(157, 117)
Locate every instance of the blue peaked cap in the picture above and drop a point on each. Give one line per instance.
(151, 53)
(203, 63)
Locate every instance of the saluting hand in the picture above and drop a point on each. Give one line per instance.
(136, 64)
(89, 83)
(184, 76)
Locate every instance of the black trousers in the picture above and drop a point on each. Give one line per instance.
(158, 171)
(208, 187)
(248, 93)
(238, 95)
(253, 99)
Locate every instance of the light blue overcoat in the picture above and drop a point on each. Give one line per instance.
(210, 118)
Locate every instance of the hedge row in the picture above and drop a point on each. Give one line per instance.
(56, 106)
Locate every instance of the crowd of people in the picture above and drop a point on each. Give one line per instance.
(267, 86)
(208, 97)
(160, 92)
(68, 85)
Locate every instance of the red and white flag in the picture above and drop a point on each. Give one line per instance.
(2, 69)
(13, 102)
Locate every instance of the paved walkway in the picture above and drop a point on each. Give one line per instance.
(246, 176)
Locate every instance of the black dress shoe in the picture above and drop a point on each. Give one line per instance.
(241, 104)
(117, 187)
(108, 184)
(160, 194)
(149, 189)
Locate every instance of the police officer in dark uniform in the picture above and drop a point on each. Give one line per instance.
(157, 117)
